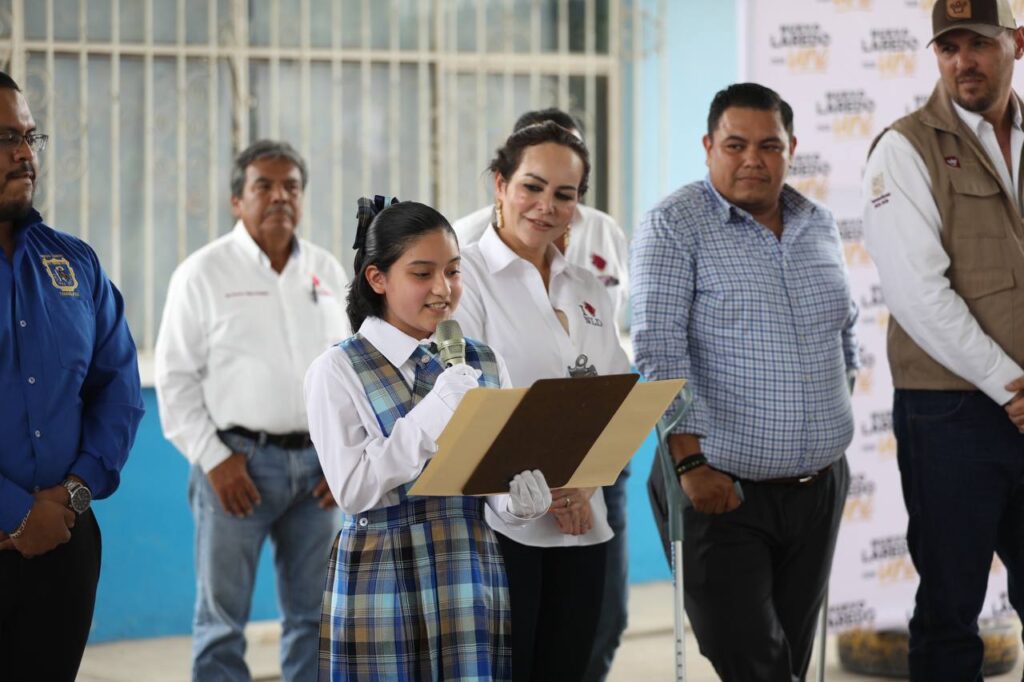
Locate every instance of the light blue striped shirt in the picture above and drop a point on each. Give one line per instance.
(761, 328)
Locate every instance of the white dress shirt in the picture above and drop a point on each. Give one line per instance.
(236, 339)
(596, 243)
(505, 305)
(903, 236)
(364, 468)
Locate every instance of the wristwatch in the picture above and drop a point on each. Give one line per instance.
(81, 496)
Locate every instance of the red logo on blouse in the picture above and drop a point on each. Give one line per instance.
(590, 314)
(952, 162)
(599, 263)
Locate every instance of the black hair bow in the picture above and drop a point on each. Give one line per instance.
(367, 211)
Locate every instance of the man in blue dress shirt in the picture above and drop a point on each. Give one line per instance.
(69, 386)
(739, 286)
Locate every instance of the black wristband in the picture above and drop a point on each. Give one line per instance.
(690, 462)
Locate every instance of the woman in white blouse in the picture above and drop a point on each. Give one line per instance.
(548, 319)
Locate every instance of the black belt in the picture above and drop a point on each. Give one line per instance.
(793, 480)
(299, 440)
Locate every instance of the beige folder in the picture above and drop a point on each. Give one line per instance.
(581, 432)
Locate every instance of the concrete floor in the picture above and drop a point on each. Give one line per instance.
(646, 653)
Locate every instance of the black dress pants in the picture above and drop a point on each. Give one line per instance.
(756, 577)
(555, 594)
(47, 606)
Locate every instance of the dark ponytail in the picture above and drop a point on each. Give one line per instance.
(382, 237)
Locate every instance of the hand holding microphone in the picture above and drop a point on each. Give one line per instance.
(459, 377)
(433, 412)
(453, 383)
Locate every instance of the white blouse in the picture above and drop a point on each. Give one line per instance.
(505, 305)
(597, 244)
(363, 467)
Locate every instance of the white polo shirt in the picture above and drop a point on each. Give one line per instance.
(236, 339)
(505, 305)
(596, 244)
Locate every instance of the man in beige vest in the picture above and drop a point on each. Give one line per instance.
(942, 219)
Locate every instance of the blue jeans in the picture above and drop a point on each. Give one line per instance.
(962, 471)
(615, 600)
(227, 553)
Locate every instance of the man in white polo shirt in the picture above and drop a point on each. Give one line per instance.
(244, 318)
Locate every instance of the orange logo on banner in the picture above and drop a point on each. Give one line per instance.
(897, 65)
(958, 9)
(813, 187)
(851, 5)
(861, 508)
(887, 447)
(865, 382)
(856, 254)
(808, 60)
(897, 570)
(853, 126)
(883, 320)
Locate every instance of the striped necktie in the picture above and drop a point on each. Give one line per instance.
(428, 367)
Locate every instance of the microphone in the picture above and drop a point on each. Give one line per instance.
(451, 346)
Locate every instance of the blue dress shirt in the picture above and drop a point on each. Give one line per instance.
(762, 329)
(69, 378)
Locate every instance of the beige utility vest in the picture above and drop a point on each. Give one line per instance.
(983, 233)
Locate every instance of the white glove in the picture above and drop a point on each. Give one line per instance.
(529, 496)
(453, 383)
(433, 412)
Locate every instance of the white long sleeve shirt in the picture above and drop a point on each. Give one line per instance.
(505, 305)
(596, 244)
(364, 468)
(236, 339)
(902, 235)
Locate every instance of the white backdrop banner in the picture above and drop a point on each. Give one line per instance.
(849, 68)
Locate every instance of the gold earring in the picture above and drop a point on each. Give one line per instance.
(499, 219)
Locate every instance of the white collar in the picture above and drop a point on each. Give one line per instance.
(976, 121)
(498, 256)
(395, 345)
(241, 236)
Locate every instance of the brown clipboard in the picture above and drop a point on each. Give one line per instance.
(581, 432)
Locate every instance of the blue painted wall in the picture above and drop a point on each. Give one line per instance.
(699, 59)
(147, 581)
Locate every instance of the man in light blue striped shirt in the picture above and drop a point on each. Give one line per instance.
(740, 288)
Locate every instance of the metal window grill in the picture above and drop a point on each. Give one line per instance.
(147, 101)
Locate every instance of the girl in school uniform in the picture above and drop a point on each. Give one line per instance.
(416, 589)
(548, 319)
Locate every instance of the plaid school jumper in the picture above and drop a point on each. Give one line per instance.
(417, 590)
